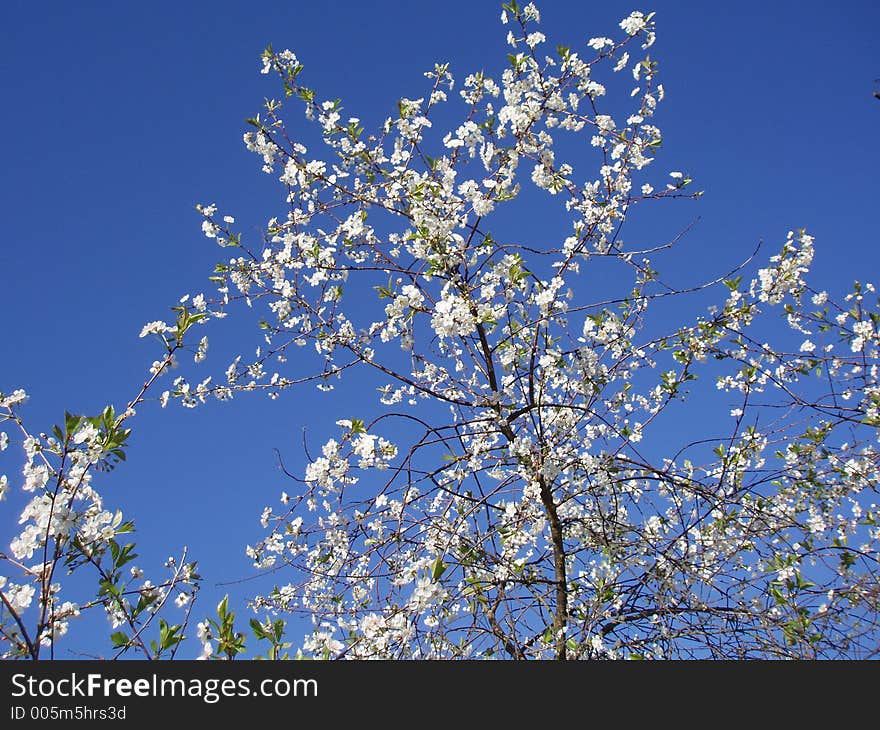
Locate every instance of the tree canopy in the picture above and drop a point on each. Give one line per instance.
(569, 456)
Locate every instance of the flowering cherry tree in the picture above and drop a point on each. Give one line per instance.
(537, 477)
(67, 529)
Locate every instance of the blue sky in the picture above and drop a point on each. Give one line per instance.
(120, 117)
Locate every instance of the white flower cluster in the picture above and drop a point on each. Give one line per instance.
(785, 276)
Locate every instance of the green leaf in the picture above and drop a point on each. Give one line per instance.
(108, 588)
(776, 595)
(438, 567)
(357, 426)
(258, 629)
(733, 284)
(168, 635)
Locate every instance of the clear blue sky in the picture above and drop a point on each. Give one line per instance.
(119, 117)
